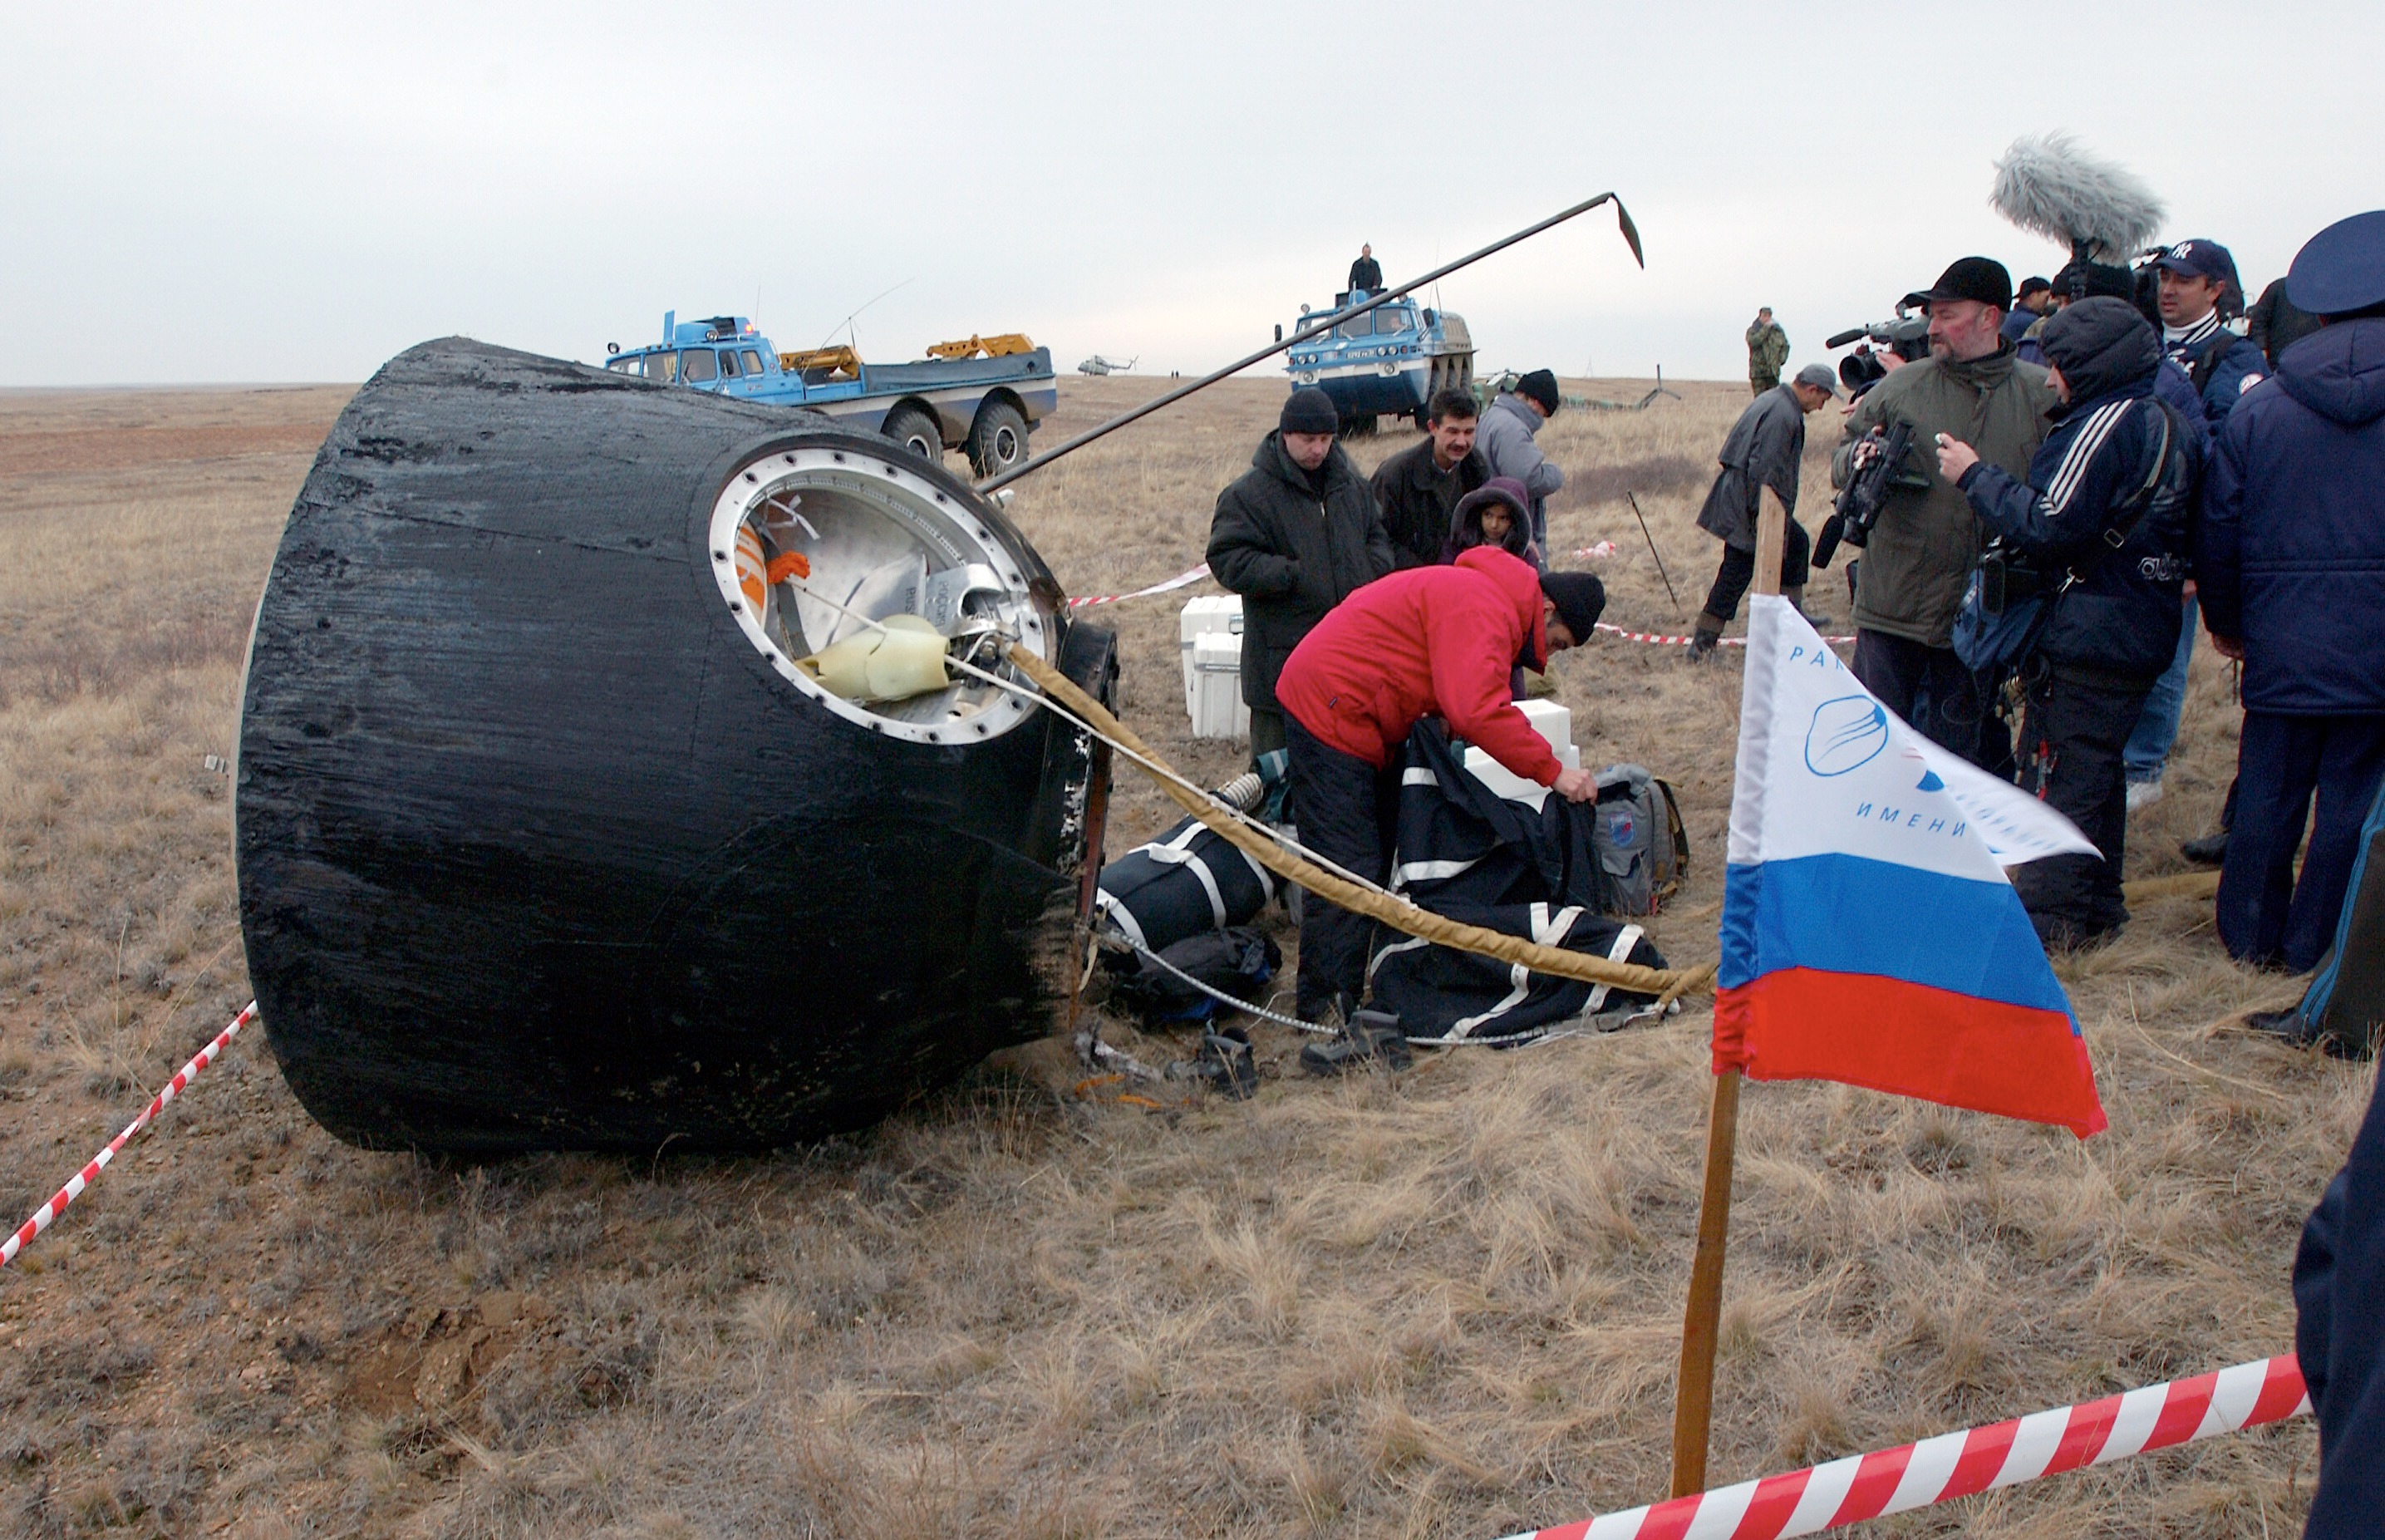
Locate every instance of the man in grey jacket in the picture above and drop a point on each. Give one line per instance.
(1505, 440)
(1919, 557)
(1294, 536)
(1763, 450)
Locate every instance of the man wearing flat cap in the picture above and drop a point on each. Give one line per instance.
(1505, 440)
(1765, 448)
(1294, 536)
(1920, 554)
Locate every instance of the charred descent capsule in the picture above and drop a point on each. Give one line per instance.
(547, 839)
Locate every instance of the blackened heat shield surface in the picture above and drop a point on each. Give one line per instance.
(536, 848)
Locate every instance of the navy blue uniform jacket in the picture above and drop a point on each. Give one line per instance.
(2289, 555)
(2340, 1337)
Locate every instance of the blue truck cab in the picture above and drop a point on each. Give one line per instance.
(1390, 359)
(988, 405)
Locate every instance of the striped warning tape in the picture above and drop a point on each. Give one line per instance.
(1179, 581)
(98, 1163)
(1684, 641)
(1959, 1464)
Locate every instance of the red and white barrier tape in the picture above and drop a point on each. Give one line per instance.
(1179, 581)
(1603, 548)
(1684, 641)
(1956, 1465)
(83, 1178)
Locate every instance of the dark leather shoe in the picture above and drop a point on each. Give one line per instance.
(2210, 850)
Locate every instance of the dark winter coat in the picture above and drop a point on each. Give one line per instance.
(1920, 554)
(1292, 554)
(2122, 615)
(2340, 1337)
(1366, 274)
(1764, 449)
(2290, 554)
(1416, 498)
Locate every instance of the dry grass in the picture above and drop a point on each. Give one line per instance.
(1445, 1306)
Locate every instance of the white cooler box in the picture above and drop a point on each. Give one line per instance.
(1552, 722)
(1214, 700)
(1210, 614)
(1211, 633)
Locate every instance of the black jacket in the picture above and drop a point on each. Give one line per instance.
(2122, 615)
(1291, 555)
(1416, 500)
(1366, 273)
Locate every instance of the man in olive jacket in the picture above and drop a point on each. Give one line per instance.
(1973, 389)
(1294, 536)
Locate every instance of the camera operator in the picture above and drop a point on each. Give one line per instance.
(1919, 555)
(2099, 529)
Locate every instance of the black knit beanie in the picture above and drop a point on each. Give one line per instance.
(1541, 386)
(1580, 599)
(1310, 410)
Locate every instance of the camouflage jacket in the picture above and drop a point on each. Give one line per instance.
(1767, 349)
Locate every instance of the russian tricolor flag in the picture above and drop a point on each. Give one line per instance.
(1868, 933)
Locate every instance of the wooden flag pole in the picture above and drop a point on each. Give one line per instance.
(1702, 1320)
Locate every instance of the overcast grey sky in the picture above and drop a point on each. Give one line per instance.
(239, 191)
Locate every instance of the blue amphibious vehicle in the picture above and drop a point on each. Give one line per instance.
(1390, 359)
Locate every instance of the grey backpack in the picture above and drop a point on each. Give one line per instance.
(1637, 834)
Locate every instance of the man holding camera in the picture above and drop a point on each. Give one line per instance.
(1919, 555)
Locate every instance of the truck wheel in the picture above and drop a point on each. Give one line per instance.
(917, 432)
(997, 439)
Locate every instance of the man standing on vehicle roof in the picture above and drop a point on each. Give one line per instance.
(1419, 487)
(1920, 554)
(1432, 641)
(1366, 273)
(1767, 352)
(1294, 536)
(1505, 440)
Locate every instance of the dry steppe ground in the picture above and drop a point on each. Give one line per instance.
(1441, 1304)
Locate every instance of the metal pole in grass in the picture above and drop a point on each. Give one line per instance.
(1317, 328)
(1702, 1320)
(1634, 501)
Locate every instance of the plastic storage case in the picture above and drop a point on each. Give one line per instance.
(1552, 722)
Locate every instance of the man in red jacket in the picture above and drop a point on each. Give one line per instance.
(1429, 641)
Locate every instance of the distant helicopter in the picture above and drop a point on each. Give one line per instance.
(1099, 365)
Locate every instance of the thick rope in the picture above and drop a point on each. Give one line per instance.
(1668, 985)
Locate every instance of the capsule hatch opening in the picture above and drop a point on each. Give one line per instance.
(808, 546)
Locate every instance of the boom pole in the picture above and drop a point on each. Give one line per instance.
(1622, 219)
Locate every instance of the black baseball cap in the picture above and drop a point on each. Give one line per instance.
(1976, 278)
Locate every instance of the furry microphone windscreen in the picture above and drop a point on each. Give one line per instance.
(2046, 183)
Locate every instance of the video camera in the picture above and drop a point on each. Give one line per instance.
(1907, 337)
(1859, 502)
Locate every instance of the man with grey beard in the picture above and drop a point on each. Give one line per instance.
(1971, 388)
